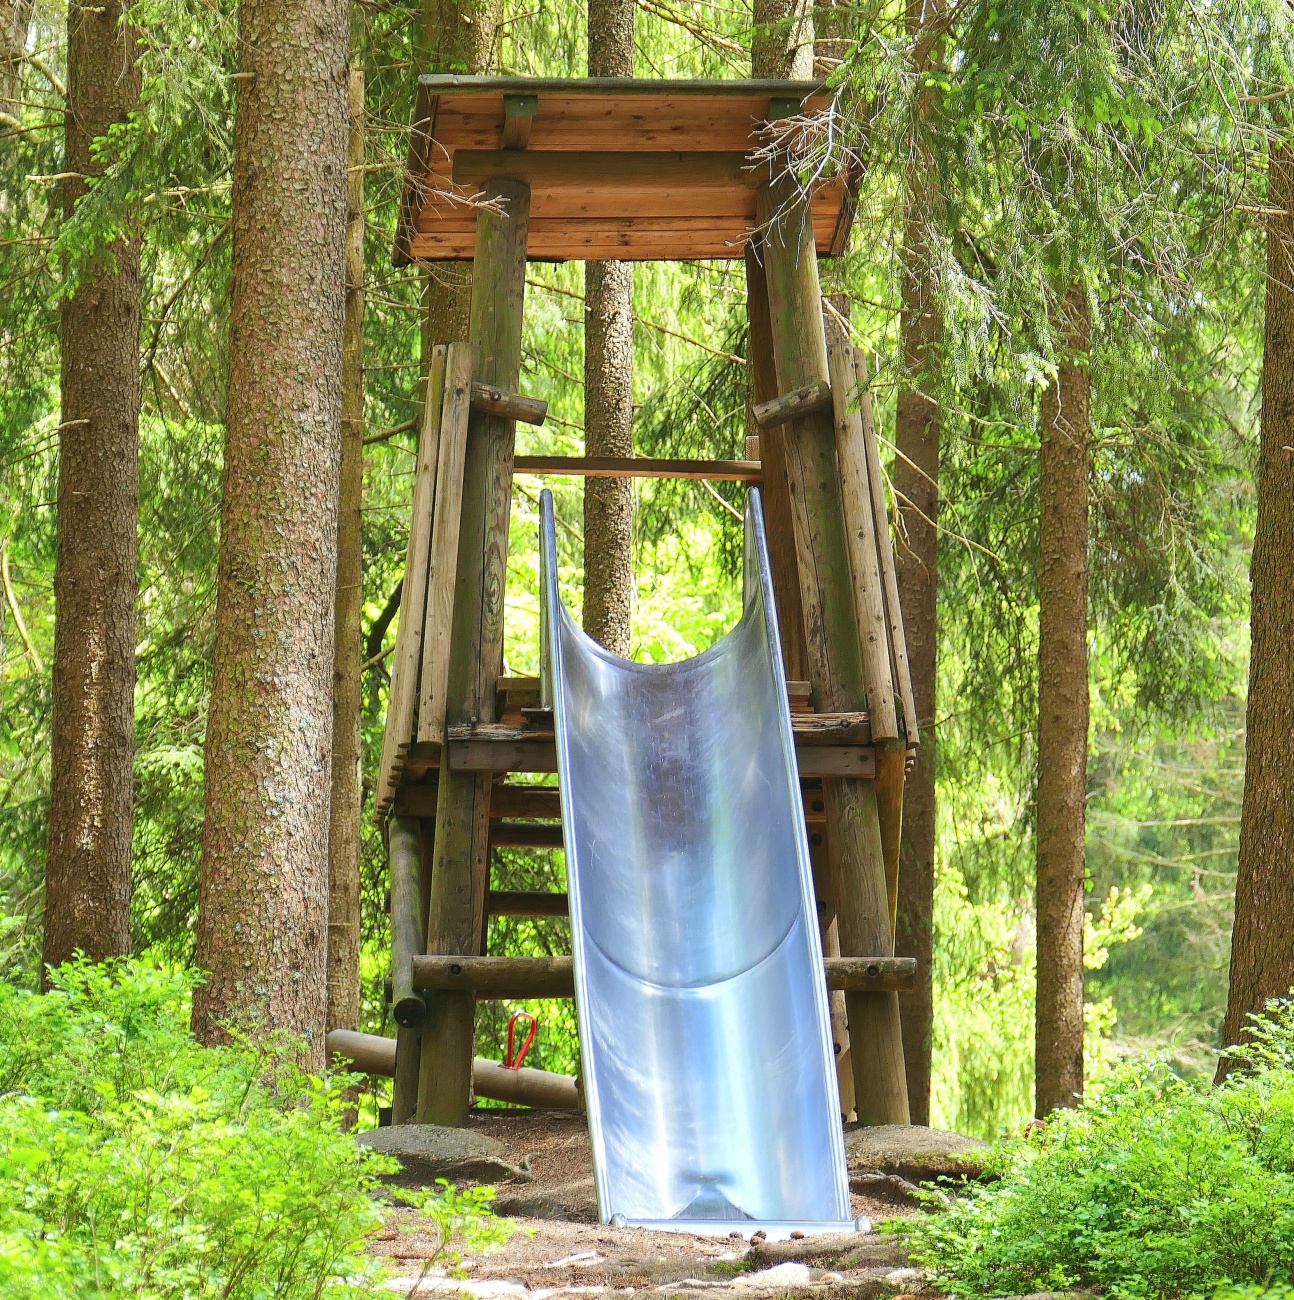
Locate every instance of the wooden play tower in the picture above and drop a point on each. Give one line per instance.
(506, 170)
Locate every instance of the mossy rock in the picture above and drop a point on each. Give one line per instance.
(913, 1152)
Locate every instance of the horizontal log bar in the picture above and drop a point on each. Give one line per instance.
(525, 835)
(790, 406)
(373, 1054)
(517, 902)
(485, 753)
(510, 406)
(720, 471)
(506, 978)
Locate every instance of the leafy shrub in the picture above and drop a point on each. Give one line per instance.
(134, 1162)
(1155, 1186)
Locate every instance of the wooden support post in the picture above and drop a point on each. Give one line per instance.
(512, 406)
(832, 639)
(772, 454)
(460, 871)
(443, 563)
(407, 938)
(408, 639)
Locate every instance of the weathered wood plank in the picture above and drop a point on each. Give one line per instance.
(788, 406)
(853, 836)
(885, 548)
(408, 640)
(525, 835)
(443, 562)
(730, 471)
(860, 536)
(512, 902)
(510, 406)
(504, 978)
(461, 867)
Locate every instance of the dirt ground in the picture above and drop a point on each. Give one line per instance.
(559, 1249)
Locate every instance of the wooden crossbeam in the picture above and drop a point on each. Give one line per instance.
(728, 471)
(793, 405)
(511, 406)
(516, 902)
(506, 978)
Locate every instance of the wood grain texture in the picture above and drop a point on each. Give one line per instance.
(263, 909)
(860, 537)
(460, 872)
(716, 471)
(1262, 949)
(91, 816)
(832, 640)
(1063, 710)
(442, 574)
(346, 809)
(406, 663)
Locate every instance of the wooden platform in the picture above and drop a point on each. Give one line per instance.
(641, 170)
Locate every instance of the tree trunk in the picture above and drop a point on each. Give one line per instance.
(609, 384)
(1063, 710)
(88, 881)
(1262, 944)
(347, 746)
(15, 20)
(916, 482)
(782, 43)
(455, 36)
(263, 907)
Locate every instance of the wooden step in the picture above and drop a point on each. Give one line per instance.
(507, 978)
(517, 902)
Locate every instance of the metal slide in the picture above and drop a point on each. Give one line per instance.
(709, 1073)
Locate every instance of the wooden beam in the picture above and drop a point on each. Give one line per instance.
(613, 184)
(518, 114)
(775, 491)
(853, 837)
(511, 406)
(460, 872)
(525, 835)
(730, 471)
(408, 639)
(452, 84)
(407, 937)
(860, 536)
(802, 401)
(443, 563)
(512, 902)
(508, 978)
(885, 548)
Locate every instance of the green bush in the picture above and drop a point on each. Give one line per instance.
(134, 1162)
(1156, 1186)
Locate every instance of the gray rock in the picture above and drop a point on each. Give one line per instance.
(912, 1152)
(427, 1152)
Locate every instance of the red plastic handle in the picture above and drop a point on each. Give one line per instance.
(514, 1063)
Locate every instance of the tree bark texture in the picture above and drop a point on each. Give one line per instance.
(782, 43)
(347, 746)
(1262, 945)
(1063, 707)
(15, 20)
(455, 36)
(916, 483)
(88, 877)
(263, 907)
(609, 384)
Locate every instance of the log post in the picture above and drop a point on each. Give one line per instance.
(772, 454)
(407, 941)
(832, 639)
(461, 855)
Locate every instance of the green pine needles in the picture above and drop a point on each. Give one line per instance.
(1154, 1186)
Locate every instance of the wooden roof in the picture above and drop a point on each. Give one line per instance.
(618, 168)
